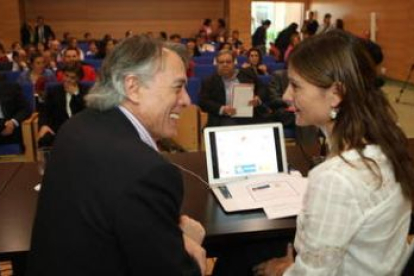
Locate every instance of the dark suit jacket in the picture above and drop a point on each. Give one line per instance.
(109, 204)
(14, 106)
(213, 97)
(54, 112)
(47, 33)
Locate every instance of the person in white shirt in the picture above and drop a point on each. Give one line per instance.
(357, 209)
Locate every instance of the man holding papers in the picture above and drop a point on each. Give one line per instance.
(232, 96)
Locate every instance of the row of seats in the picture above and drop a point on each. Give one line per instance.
(209, 59)
(15, 152)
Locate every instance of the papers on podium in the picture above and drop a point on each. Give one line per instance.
(242, 94)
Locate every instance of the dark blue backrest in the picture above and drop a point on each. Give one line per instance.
(193, 89)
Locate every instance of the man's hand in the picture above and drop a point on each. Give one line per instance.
(71, 88)
(196, 252)
(275, 266)
(193, 236)
(255, 101)
(8, 128)
(228, 110)
(43, 130)
(192, 229)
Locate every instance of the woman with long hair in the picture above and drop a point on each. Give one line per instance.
(357, 209)
(255, 62)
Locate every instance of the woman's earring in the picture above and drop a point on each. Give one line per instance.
(334, 113)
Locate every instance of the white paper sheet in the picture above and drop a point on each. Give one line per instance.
(242, 95)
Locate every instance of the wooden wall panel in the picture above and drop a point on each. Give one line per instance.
(395, 27)
(115, 17)
(240, 18)
(10, 22)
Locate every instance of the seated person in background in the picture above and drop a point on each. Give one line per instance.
(255, 62)
(13, 110)
(294, 41)
(73, 43)
(105, 47)
(50, 60)
(176, 38)
(216, 91)
(192, 48)
(358, 204)
(236, 43)
(37, 75)
(19, 61)
(278, 107)
(61, 103)
(110, 203)
(93, 51)
(3, 54)
(71, 56)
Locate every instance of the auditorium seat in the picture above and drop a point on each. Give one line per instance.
(193, 89)
(203, 71)
(14, 152)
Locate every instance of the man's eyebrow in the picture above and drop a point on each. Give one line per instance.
(180, 81)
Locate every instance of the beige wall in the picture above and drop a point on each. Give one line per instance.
(10, 22)
(115, 17)
(395, 27)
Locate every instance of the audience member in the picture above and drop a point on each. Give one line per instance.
(192, 48)
(175, 38)
(294, 41)
(61, 102)
(97, 217)
(106, 47)
(259, 37)
(206, 27)
(14, 108)
(310, 26)
(50, 60)
(26, 34)
(255, 62)
(3, 54)
(42, 31)
(282, 41)
(19, 61)
(339, 24)
(71, 56)
(219, 31)
(236, 43)
(37, 75)
(93, 51)
(327, 25)
(216, 93)
(357, 208)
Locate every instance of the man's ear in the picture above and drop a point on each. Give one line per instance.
(132, 88)
(337, 93)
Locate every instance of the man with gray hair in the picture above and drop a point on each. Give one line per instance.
(110, 203)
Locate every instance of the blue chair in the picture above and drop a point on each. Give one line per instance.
(265, 79)
(193, 89)
(274, 66)
(12, 75)
(203, 71)
(269, 59)
(27, 89)
(15, 152)
(209, 54)
(203, 60)
(83, 46)
(241, 60)
(95, 63)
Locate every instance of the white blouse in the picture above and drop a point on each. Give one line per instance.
(353, 222)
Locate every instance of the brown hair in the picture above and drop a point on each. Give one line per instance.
(365, 115)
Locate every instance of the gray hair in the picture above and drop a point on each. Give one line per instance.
(140, 56)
